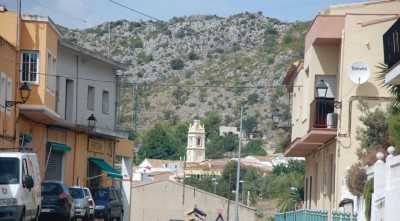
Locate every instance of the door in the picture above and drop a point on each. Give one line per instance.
(27, 194)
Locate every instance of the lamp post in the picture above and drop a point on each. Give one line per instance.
(293, 189)
(188, 176)
(276, 117)
(92, 122)
(322, 90)
(215, 183)
(242, 182)
(346, 202)
(25, 92)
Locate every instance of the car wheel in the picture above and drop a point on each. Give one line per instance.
(91, 216)
(22, 218)
(86, 217)
(121, 216)
(37, 215)
(107, 217)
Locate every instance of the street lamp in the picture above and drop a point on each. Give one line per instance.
(92, 122)
(25, 92)
(322, 90)
(188, 176)
(215, 183)
(242, 182)
(294, 189)
(276, 117)
(345, 203)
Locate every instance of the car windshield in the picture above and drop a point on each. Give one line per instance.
(87, 193)
(9, 170)
(100, 194)
(49, 189)
(76, 193)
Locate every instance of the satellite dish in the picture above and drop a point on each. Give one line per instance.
(359, 72)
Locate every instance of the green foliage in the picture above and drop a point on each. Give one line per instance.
(249, 124)
(375, 133)
(356, 179)
(160, 143)
(142, 58)
(177, 64)
(180, 34)
(193, 56)
(214, 147)
(211, 122)
(297, 166)
(178, 92)
(368, 190)
(231, 169)
(230, 142)
(254, 147)
(394, 89)
(252, 98)
(394, 128)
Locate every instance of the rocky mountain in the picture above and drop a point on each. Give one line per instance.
(195, 64)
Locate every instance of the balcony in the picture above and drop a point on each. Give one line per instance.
(322, 128)
(391, 48)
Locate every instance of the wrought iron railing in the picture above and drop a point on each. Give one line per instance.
(391, 45)
(322, 114)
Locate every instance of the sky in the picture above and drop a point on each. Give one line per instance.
(88, 13)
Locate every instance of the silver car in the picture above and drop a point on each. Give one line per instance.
(81, 202)
(91, 203)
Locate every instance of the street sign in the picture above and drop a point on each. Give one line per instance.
(220, 211)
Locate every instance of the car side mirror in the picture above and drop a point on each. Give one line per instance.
(28, 182)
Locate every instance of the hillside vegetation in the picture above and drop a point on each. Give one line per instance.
(192, 65)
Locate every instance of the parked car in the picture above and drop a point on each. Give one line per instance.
(20, 186)
(57, 202)
(91, 203)
(81, 202)
(108, 204)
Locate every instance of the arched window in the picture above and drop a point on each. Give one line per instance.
(198, 141)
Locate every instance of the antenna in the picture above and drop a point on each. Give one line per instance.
(359, 72)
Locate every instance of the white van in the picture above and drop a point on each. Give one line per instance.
(20, 186)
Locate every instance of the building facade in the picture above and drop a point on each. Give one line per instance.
(343, 48)
(196, 148)
(68, 85)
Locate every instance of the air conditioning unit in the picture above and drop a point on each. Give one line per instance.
(331, 120)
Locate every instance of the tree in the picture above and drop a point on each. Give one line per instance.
(159, 143)
(254, 147)
(231, 168)
(230, 142)
(252, 99)
(249, 124)
(193, 56)
(214, 147)
(177, 64)
(211, 122)
(178, 92)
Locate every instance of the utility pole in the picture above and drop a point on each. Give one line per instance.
(109, 38)
(135, 103)
(229, 198)
(238, 167)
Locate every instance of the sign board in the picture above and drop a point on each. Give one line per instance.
(220, 211)
(96, 145)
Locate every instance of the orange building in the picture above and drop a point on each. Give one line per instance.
(68, 85)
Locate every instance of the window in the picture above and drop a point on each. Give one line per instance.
(51, 73)
(30, 66)
(9, 93)
(198, 141)
(105, 102)
(3, 92)
(90, 98)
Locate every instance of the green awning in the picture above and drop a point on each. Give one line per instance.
(103, 165)
(59, 146)
(26, 138)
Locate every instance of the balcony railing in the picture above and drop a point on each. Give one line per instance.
(322, 114)
(391, 45)
(314, 215)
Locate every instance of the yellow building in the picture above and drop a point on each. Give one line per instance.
(343, 46)
(69, 86)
